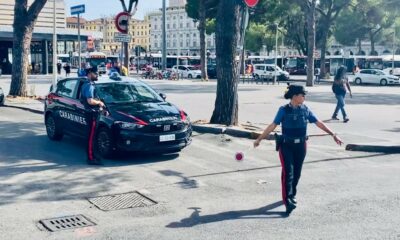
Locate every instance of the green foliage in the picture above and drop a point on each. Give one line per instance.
(192, 7)
(258, 35)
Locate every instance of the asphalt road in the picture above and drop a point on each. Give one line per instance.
(202, 193)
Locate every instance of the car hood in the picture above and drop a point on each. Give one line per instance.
(151, 113)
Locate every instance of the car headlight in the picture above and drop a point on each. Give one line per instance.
(128, 125)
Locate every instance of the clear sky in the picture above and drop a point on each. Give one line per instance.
(99, 8)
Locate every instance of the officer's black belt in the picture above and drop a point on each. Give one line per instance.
(294, 140)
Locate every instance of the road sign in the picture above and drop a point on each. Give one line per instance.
(251, 3)
(121, 22)
(122, 37)
(78, 9)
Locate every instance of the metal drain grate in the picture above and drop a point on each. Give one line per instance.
(121, 201)
(65, 223)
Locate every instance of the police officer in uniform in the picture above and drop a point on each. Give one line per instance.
(93, 107)
(292, 145)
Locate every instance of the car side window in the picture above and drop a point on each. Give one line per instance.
(67, 88)
(182, 68)
(260, 68)
(366, 72)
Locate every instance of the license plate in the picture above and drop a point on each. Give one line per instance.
(166, 138)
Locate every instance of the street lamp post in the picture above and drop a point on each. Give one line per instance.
(393, 48)
(164, 38)
(54, 45)
(276, 52)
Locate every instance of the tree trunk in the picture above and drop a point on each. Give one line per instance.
(228, 38)
(324, 39)
(359, 46)
(311, 42)
(24, 21)
(202, 29)
(372, 39)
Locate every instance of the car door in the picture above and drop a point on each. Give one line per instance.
(374, 77)
(364, 75)
(270, 71)
(182, 71)
(68, 105)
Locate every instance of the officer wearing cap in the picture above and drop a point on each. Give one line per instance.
(92, 104)
(292, 146)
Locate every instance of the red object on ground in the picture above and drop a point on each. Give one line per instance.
(239, 156)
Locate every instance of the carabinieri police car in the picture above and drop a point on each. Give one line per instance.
(137, 118)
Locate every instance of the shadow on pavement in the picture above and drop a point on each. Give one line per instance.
(36, 168)
(358, 98)
(196, 219)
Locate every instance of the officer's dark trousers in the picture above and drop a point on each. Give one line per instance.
(292, 156)
(91, 119)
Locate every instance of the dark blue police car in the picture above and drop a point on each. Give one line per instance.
(137, 118)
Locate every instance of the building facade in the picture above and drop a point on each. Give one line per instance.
(138, 29)
(41, 46)
(183, 37)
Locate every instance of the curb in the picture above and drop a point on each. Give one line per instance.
(373, 148)
(240, 133)
(25, 109)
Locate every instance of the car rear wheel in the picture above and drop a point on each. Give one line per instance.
(256, 77)
(358, 81)
(383, 82)
(53, 130)
(104, 142)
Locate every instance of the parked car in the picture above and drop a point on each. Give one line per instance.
(137, 118)
(187, 71)
(2, 98)
(374, 76)
(268, 71)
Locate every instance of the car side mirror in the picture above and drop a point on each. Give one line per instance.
(163, 96)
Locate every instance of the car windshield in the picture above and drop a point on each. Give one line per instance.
(123, 92)
(191, 68)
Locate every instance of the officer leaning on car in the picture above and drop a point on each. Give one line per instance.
(292, 144)
(90, 102)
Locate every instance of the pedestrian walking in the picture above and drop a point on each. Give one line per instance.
(93, 107)
(317, 73)
(59, 65)
(339, 86)
(292, 144)
(67, 69)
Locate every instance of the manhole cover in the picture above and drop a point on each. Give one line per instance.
(65, 223)
(121, 201)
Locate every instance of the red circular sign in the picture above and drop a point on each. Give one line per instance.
(251, 3)
(121, 22)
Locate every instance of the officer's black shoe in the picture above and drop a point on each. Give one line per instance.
(94, 162)
(294, 200)
(346, 120)
(290, 206)
(335, 118)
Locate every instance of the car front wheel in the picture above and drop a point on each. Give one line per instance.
(383, 82)
(104, 142)
(190, 76)
(358, 81)
(53, 130)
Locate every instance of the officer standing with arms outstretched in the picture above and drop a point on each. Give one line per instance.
(92, 108)
(292, 145)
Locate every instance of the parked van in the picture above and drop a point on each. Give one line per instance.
(267, 71)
